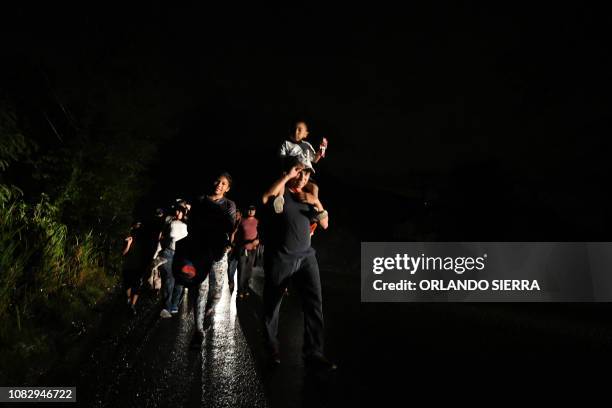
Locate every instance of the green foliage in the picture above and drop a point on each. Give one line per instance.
(59, 228)
(14, 255)
(51, 275)
(39, 258)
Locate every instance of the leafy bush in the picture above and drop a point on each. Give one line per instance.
(58, 232)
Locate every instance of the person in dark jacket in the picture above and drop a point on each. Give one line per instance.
(210, 227)
(135, 261)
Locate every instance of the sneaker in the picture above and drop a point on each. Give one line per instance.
(174, 310)
(278, 203)
(133, 310)
(319, 363)
(164, 314)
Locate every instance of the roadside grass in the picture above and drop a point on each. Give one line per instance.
(50, 282)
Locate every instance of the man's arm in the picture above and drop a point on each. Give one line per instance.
(230, 218)
(128, 244)
(233, 236)
(324, 222)
(323, 216)
(278, 188)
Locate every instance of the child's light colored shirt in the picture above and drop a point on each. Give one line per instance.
(302, 149)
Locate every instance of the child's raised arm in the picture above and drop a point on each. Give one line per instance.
(321, 152)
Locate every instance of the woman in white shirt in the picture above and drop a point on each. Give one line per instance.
(175, 231)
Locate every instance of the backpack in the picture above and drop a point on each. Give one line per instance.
(189, 266)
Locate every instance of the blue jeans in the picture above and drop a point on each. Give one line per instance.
(246, 260)
(171, 292)
(231, 268)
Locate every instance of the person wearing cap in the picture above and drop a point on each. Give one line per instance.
(305, 195)
(289, 256)
(247, 241)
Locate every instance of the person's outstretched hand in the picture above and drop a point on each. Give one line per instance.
(323, 147)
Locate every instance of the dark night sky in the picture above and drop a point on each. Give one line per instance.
(474, 106)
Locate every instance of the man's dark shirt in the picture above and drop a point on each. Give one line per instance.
(288, 233)
(211, 224)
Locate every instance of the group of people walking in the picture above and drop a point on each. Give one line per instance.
(211, 239)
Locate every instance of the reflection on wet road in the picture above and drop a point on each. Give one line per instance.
(229, 378)
(148, 361)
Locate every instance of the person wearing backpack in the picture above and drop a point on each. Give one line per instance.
(204, 253)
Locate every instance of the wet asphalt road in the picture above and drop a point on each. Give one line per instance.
(148, 362)
(384, 351)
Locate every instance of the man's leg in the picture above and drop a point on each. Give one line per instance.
(250, 264)
(168, 279)
(308, 283)
(177, 298)
(276, 273)
(195, 296)
(272, 297)
(231, 269)
(242, 266)
(216, 280)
